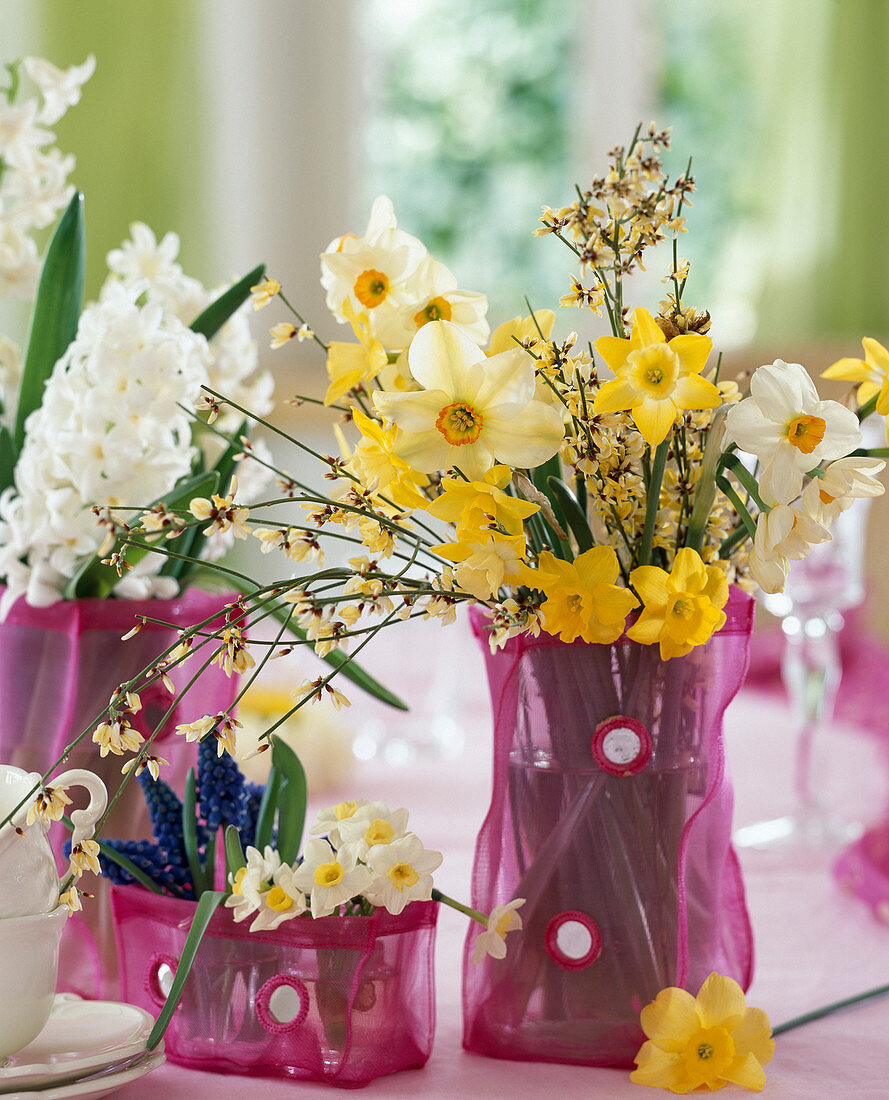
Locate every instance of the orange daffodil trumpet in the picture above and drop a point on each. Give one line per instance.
(713, 1039)
(655, 378)
(472, 410)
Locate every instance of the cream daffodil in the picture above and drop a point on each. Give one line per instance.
(438, 299)
(472, 410)
(372, 825)
(476, 506)
(783, 535)
(681, 609)
(655, 378)
(843, 482)
(789, 428)
(348, 365)
(376, 273)
(402, 873)
(711, 1039)
(582, 599)
(492, 941)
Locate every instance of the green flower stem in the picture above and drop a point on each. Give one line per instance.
(827, 1010)
(653, 503)
(866, 409)
(437, 895)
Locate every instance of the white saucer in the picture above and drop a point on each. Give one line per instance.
(80, 1037)
(92, 1090)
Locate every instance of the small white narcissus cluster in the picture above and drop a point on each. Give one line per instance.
(793, 433)
(366, 853)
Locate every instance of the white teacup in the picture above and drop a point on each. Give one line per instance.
(29, 959)
(29, 880)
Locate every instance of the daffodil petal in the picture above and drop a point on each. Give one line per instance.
(526, 440)
(693, 392)
(646, 330)
(474, 459)
(440, 356)
(875, 354)
(688, 573)
(647, 628)
(654, 419)
(415, 411)
(748, 426)
(746, 1072)
(504, 379)
(849, 370)
(720, 1002)
(693, 350)
(597, 566)
(659, 1068)
(753, 1036)
(781, 479)
(614, 350)
(425, 451)
(615, 396)
(652, 584)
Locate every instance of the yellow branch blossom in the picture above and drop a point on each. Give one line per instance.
(262, 293)
(655, 378)
(476, 506)
(711, 1040)
(48, 805)
(582, 599)
(681, 609)
(224, 514)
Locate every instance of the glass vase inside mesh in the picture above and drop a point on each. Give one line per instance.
(611, 816)
(339, 999)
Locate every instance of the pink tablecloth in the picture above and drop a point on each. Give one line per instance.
(814, 944)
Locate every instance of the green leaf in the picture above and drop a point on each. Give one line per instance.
(8, 458)
(292, 800)
(234, 853)
(218, 312)
(95, 579)
(188, 543)
(740, 507)
(265, 820)
(572, 513)
(56, 311)
(190, 834)
(207, 905)
(732, 462)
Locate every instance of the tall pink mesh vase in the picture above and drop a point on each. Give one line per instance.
(611, 816)
(339, 999)
(58, 668)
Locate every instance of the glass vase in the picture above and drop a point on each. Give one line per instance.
(611, 816)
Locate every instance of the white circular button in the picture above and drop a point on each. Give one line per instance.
(621, 745)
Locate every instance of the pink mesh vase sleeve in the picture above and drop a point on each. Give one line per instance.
(611, 815)
(339, 999)
(58, 668)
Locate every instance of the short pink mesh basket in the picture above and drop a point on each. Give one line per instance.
(611, 816)
(341, 1000)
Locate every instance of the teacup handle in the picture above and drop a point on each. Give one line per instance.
(84, 821)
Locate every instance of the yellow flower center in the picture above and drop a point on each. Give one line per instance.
(682, 607)
(504, 924)
(708, 1055)
(460, 423)
(371, 288)
(654, 370)
(806, 432)
(379, 832)
(344, 810)
(328, 874)
(437, 310)
(401, 875)
(278, 899)
(238, 885)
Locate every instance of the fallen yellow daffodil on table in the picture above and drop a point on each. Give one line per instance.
(713, 1039)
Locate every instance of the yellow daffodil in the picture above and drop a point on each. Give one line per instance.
(871, 372)
(472, 410)
(681, 609)
(487, 561)
(789, 428)
(477, 505)
(348, 365)
(377, 465)
(713, 1039)
(582, 599)
(655, 378)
